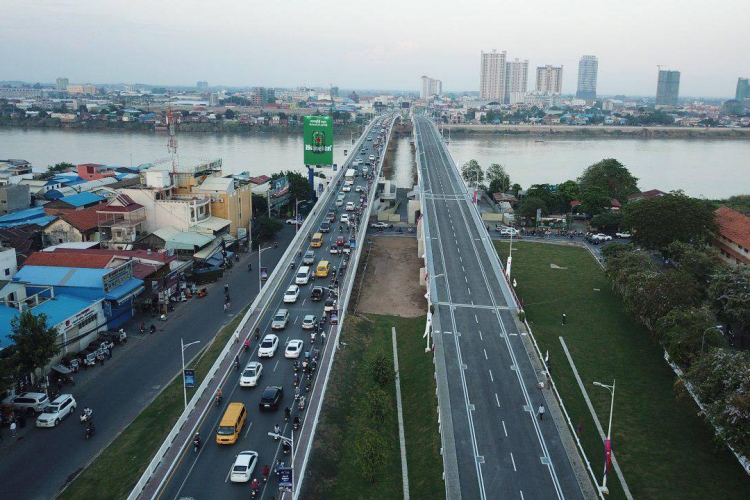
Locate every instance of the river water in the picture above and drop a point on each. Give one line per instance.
(709, 168)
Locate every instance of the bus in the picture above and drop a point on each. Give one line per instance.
(349, 175)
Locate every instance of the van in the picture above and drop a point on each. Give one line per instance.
(322, 270)
(303, 275)
(231, 424)
(317, 240)
(339, 201)
(365, 170)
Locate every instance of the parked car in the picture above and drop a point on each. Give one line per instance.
(280, 319)
(295, 221)
(291, 295)
(623, 235)
(30, 402)
(251, 374)
(271, 398)
(268, 346)
(57, 410)
(293, 349)
(604, 237)
(244, 466)
(379, 225)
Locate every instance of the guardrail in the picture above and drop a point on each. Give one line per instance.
(265, 295)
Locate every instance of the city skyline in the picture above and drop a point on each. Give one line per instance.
(166, 44)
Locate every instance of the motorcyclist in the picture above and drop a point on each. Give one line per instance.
(249, 266)
(255, 485)
(237, 362)
(287, 412)
(257, 334)
(152, 328)
(276, 244)
(276, 430)
(247, 344)
(266, 472)
(197, 441)
(296, 421)
(219, 396)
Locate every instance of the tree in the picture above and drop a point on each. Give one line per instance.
(382, 369)
(516, 188)
(60, 167)
(528, 206)
(729, 293)
(266, 228)
(611, 177)
(370, 448)
(623, 261)
(568, 191)
(35, 342)
(260, 203)
(546, 194)
(699, 262)
(496, 174)
(229, 114)
(595, 200)
(606, 220)
(652, 295)
(378, 406)
(681, 332)
(299, 186)
(472, 172)
(657, 222)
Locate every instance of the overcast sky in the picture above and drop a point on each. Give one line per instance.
(386, 44)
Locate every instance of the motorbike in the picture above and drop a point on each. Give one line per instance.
(295, 425)
(90, 430)
(286, 448)
(86, 416)
(152, 329)
(143, 328)
(292, 264)
(218, 400)
(302, 403)
(196, 445)
(249, 267)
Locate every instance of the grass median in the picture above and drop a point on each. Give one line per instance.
(114, 473)
(333, 472)
(664, 448)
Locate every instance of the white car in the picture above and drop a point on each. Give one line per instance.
(350, 206)
(507, 231)
(294, 221)
(291, 295)
(280, 320)
(347, 188)
(380, 225)
(251, 374)
(57, 410)
(622, 235)
(334, 250)
(603, 237)
(358, 189)
(244, 466)
(293, 349)
(309, 322)
(268, 346)
(344, 218)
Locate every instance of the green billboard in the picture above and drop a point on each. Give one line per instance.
(318, 140)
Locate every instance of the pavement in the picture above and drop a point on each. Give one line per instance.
(40, 462)
(498, 446)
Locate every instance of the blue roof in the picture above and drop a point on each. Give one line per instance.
(124, 289)
(68, 179)
(81, 199)
(34, 215)
(58, 310)
(61, 276)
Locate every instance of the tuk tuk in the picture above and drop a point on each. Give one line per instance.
(61, 374)
(263, 273)
(71, 362)
(88, 357)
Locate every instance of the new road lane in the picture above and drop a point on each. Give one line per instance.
(503, 449)
(206, 473)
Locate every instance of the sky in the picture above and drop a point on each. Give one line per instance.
(387, 44)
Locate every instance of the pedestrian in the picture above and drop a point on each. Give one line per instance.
(13, 428)
(540, 412)
(579, 428)
(565, 317)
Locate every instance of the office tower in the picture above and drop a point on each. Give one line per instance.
(516, 80)
(668, 88)
(430, 87)
(492, 76)
(588, 66)
(743, 89)
(202, 85)
(549, 79)
(62, 83)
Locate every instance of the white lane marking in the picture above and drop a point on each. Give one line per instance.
(480, 335)
(277, 364)
(514, 462)
(248, 429)
(504, 429)
(454, 234)
(485, 354)
(463, 269)
(491, 377)
(476, 319)
(466, 279)
(461, 259)
(497, 400)
(521, 492)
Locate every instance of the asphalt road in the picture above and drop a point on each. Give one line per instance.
(205, 474)
(502, 449)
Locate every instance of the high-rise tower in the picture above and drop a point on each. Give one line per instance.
(549, 79)
(668, 88)
(492, 76)
(588, 67)
(516, 80)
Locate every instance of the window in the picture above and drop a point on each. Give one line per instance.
(7, 272)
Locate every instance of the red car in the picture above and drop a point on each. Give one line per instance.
(340, 241)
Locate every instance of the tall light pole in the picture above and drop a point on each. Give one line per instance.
(291, 443)
(510, 255)
(608, 443)
(185, 346)
(296, 215)
(260, 251)
(703, 337)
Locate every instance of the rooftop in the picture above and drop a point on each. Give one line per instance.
(83, 220)
(69, 258)
(734, 226)
(81, 199)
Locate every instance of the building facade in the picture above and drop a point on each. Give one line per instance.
(668, 88)
(743, 89)
(14, 197)
(549, 79)
(588, 68)
(492, 76)
(430, 87)
(516, 80)
(83, 89)
(733, 240)
(62, 84)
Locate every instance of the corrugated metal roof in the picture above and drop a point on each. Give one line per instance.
(223, 184)
(61, 276)
(211, 225)
(188, 241)
(82, 199)
(166, 232)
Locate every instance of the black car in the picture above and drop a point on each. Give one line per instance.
(317, 293)
(271, 398)
(325, 227)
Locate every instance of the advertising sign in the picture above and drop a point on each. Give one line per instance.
(286, 478)
(278, 192)
(189, 375)
(318, 140)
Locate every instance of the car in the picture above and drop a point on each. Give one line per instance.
(244, 466)
(362, 152)
(331, 215)
(30, 402)
(372, 158)
(508, 231)
(358, 189)
(622, 235)
(293, 349)
(268, 346)
(291, 295)
(330, 305)
(344, 218)
(334, 250)
(308, 258)
(294, 221)
(603, 237)
(271, 398)
(350, 206)
(347, 188)
(280, 319)
(309, 322)
(251, 374)
(340, 241)
(325, 227)
(57, 410)
(317, 293)
(339, 202)
(379, 225)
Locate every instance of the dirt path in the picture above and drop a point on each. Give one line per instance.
(391, 284)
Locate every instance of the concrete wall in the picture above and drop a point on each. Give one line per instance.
(14, 198)
(8, 263)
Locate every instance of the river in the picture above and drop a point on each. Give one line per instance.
(709, 168)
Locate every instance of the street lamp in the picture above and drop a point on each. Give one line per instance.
(608, 443)
(260, 251)
(286, 440)
(703, 337)
(185, 346)
(296, 215)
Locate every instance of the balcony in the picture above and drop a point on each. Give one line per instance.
(118, 220)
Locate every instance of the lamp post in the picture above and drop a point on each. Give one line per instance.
(286, 440)
(428, 347)
(608, 449)
(260, 251)
(296, 215)
(185, 346)
(703, 337)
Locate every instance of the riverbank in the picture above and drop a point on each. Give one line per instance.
(601, 131)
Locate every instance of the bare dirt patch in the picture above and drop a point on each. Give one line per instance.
(391, 282)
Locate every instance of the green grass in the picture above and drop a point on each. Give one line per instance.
(665, 450)
(333, 472)
(116, 471)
